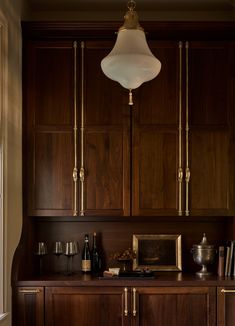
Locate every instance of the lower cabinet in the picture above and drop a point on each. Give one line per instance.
(175, 306)
(86, 306)
(225, 306)
(121, 306)
(29, 306)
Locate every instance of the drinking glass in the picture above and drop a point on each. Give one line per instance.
(71, 249)
(41, 251)
(57, 251)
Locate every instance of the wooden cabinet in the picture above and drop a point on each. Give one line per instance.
(155, 140)
(137, 306)
(210, 106)
(183, 132)
(29, 306)
(93, 306)
(225, 306)
(76, 122)
(49, 118)
(89, 153)
(175, 306)
(106, 138)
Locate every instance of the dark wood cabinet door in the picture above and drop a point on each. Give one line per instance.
(106, 138)
(155, 146)
(29, 306)
(49, 99)
(175, 306)
(69, 306)
(226, 306)
(210, 108)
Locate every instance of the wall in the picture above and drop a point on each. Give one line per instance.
(10, 10)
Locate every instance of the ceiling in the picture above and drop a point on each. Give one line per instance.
(115, 9)
(145, 5)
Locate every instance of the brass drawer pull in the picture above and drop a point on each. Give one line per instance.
(227, 291)
(134, 302)
(125, 303)
(29, 291)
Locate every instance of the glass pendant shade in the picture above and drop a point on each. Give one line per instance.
(131, 62)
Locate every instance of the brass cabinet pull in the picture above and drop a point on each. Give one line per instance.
(125, 302)
(187, 170)
(82, 170)
(227, 291)
(134, 302)
(29, 291)
(75, 131)
(180, 170)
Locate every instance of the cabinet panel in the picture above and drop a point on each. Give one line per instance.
(106, 137)
(226, 305)
(85, 306)
(155, 137)
(209, 171)
(50, 82)
(53, 183)
(176, 306)
(155, 172)
(29, 307)
(208, 83)
(105, 182)
(49, 94)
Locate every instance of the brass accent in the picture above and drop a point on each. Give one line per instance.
(125, 302)
(130, 97)
(227, 291)
(75, 170)
(131, 19)
(29, 291)
(187, 170)
(180, 170)
(134, 312)
(82, 170)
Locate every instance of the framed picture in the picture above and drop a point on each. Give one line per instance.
(157, 252)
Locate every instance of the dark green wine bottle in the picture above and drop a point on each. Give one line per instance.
(95, 257)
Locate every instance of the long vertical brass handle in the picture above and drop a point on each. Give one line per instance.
(125, 302)
(82, 170)
(180, 170)
(75, 131)
(187, 170)
(134, 311)
(227, 291)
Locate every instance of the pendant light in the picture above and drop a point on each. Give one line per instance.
(131, 62)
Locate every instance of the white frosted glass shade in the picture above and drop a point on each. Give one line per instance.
(131, 62)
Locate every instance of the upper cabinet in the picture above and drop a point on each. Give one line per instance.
(106, 144)
(211, 86)
(87, 152)
(49, 122)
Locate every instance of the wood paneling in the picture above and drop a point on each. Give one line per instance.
(176, 306)
(106, 139)
(155, 137)
(49, 98)
(29, 306)
(67, 306)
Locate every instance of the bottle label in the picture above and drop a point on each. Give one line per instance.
(86, 265)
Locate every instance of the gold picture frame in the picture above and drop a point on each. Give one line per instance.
(157, 252)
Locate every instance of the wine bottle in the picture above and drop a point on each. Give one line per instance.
(86, 256)
(95, 258)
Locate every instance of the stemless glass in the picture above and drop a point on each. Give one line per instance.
(71, 249)
(41, 251)
(57, 251)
